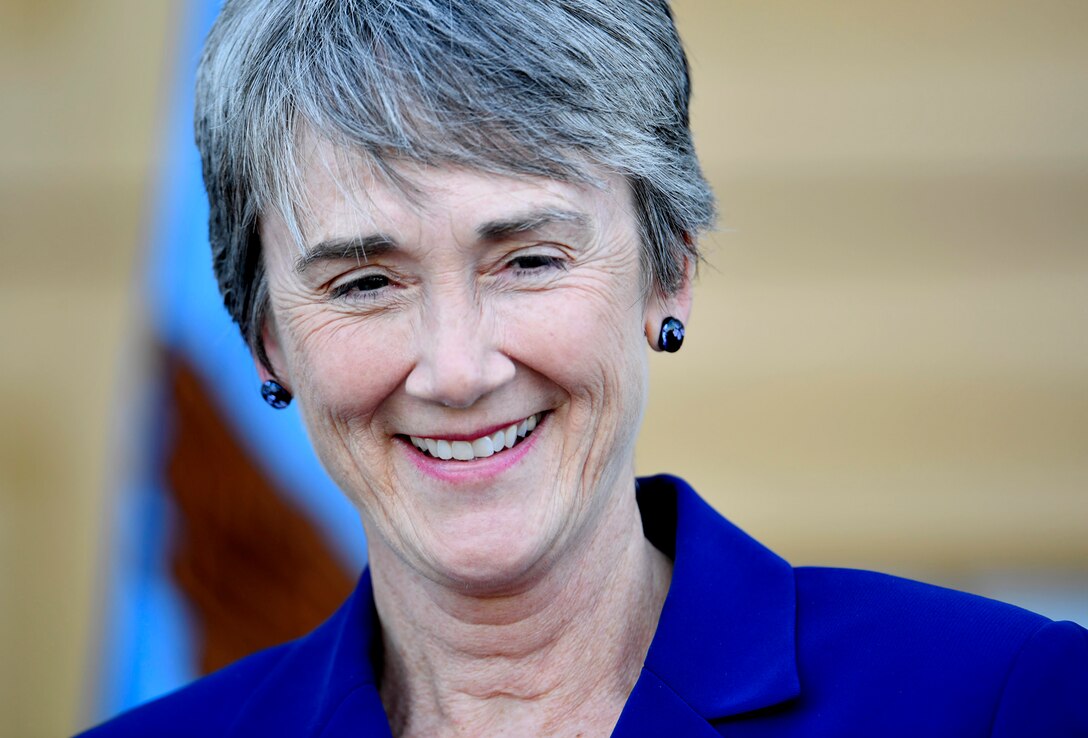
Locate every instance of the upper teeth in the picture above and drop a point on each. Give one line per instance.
(480, 448)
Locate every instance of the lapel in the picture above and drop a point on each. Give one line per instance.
(725, 642)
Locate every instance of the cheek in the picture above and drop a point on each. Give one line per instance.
(346, 367)
(586, 340)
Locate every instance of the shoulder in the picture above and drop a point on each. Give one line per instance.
(1046, 692)
(867, 653)
(303, 687)
(926, 649)
(207, 707)
(880, 623)
(855, 598)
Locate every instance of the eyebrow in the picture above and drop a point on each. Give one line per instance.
(534, 220)
(362, 248)
(359, 248)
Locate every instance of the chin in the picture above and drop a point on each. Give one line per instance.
(491, 561)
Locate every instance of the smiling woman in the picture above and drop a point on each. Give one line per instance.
(482, 305)
(451, 231)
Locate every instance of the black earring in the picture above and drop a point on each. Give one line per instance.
(672, 335)
(275, 395)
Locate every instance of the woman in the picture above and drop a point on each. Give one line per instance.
(450, 230)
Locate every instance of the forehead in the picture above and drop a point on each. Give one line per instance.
(339, 192)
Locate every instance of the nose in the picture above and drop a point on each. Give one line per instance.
(458, 358)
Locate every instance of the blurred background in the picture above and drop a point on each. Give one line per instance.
(887, 366)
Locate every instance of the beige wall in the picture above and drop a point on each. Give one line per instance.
(887, 362)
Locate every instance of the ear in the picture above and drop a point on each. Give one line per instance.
(268, 356)
(675, 305)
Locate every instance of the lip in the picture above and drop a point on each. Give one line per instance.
(452, 471)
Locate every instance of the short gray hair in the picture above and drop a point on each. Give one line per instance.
(523, 87)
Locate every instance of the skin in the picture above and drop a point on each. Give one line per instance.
(516, 597)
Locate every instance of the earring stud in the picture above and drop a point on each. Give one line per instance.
(671, 337)
(275, 394)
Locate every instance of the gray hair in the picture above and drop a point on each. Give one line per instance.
(525, 87)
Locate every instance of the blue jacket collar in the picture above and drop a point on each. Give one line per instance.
(724, 644)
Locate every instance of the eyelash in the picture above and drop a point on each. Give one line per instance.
(542, 262)
(361, 288)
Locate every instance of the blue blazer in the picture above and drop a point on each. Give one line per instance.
(747, 646)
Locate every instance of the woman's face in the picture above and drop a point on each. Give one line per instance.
(481, 306)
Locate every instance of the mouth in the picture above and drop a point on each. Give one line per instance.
(483, 447)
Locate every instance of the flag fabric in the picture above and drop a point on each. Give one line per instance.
(227, 536)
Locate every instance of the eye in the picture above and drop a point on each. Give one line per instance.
(536, 263)
(368, 283)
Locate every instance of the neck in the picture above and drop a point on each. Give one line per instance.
(559, 653)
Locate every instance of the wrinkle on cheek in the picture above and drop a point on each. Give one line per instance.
(312, 333)
(345, 369)
(351, 448)
(607, 410)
